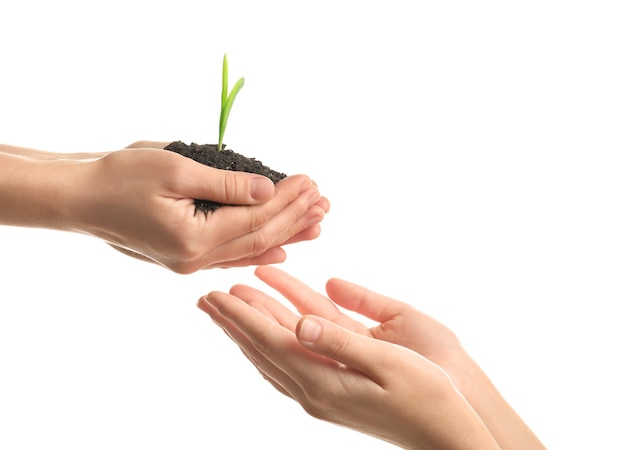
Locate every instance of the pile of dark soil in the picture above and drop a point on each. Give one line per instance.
(226, 159)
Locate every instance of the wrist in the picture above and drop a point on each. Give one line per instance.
(503, 422)
(38, 193)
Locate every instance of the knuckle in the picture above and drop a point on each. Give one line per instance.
(232, 187)
(258, 218)
(320, 403)
(262, 345)
(338, 345)
(261, 242)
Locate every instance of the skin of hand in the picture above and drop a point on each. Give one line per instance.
(402, 324)
(343, 375)
(140, 200)
(399, 324)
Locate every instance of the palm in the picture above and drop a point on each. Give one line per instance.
(398, 322)
(401, 324)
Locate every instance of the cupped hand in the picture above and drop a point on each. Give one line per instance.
(141, 201)
(397, 323)
(357, 381)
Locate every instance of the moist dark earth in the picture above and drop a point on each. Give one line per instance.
(225, 159)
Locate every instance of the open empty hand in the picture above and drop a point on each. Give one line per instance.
(346, 376)
(407, 353)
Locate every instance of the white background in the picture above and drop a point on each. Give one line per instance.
(489, 192)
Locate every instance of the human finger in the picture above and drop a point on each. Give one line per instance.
(305, 228)
(232, 234)
(363, 301)
(308, 234)
(364, 354)
(230, 330)
(399, 322)
(267, 304)
(274, 255)
(305, 299)
(324, 203)
(191, 179)
(259, 338)
(278, 222)
(313, 231)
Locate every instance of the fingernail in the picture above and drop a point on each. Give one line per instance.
(309, 330)
(306, 183)
(202, 304)
(261, 188)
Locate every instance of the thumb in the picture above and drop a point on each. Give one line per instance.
(228, 186)
(340, 344)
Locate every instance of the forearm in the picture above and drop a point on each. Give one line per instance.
(37, 192)
(505, 425)
(43, 155)
(453, 425)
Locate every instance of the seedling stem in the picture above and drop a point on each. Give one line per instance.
(227, 100)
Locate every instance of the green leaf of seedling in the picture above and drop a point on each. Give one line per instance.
(226, 109)
(227, 100)
(224, 84)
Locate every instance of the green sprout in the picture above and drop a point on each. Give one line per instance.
(227, 100)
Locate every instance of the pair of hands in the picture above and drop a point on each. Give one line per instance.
(140, 200)
(406, 380)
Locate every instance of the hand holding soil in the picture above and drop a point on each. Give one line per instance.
(141, 200)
